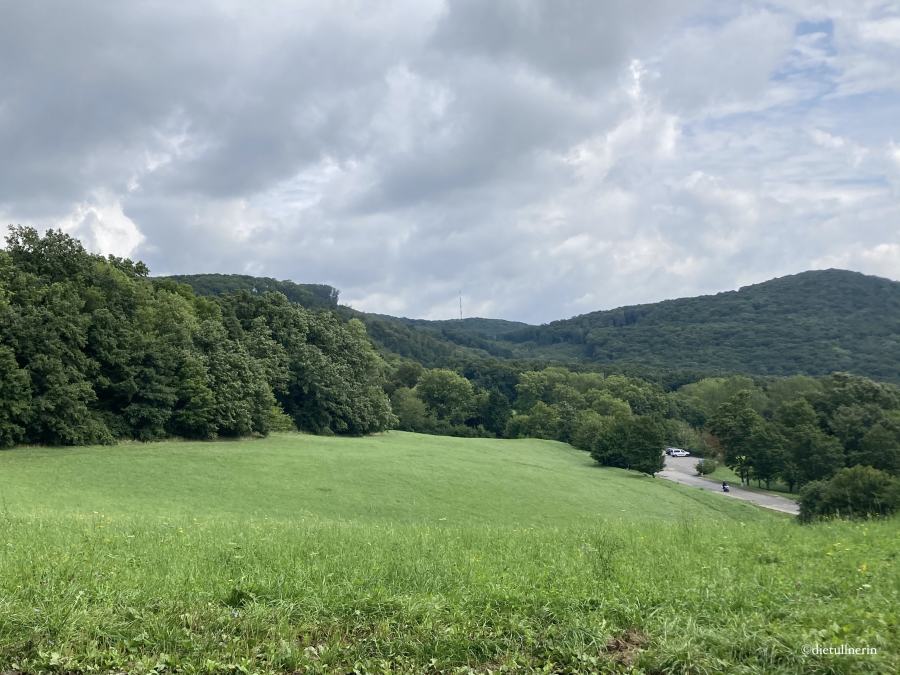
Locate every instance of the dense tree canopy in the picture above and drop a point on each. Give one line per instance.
(635, 442)
(92, 350)
(855, 492)
(811, 323)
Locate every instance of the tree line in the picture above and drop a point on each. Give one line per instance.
(799, 431)
(92, 350)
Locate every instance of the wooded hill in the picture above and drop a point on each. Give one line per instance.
(811, 323)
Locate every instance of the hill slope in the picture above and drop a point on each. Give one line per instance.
(391, 477)
(812, 323)
(431, 343)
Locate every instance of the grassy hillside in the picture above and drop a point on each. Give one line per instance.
(394, 477)
(411, 554)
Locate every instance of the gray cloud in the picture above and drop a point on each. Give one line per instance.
(544, 158)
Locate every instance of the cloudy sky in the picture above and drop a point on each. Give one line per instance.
(545, 158)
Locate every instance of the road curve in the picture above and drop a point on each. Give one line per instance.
(681, 470)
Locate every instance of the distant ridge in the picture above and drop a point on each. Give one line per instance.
(812, 323)
(314, 296)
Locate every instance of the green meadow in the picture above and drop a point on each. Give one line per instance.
(408, 553)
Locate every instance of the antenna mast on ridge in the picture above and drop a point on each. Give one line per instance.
(460, 305)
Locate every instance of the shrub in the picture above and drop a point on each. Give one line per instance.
(706, 466)
(280, 420)
(855, 492)
(412, 413)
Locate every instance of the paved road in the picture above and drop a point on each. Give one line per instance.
(681, 470)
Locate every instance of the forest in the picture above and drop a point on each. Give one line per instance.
(92, 350)
(813, 323)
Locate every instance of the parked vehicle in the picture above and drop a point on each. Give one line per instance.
(677, 452)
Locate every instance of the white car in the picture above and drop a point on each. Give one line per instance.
(677, 452)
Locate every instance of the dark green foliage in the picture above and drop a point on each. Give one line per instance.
(813, 323)
(312, 296)
(494, 411)
(854, 492)
(396, 337)
(631, 443)
(431, 343)
(845, 389)
(46, 329)
(811, 454)
(767, 454)
(447, 395)
(242, 397)
(324, 372)
(91, 350)
(736, 423)
(412, 413)
(541, 421)
(879, 448)
(15, 399)
(404, 374)
(842, 420)
(589, 426)
(706, 466)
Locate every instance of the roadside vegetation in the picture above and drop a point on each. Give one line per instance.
(724, 474)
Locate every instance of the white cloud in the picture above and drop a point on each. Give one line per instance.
(882, 259)
(882, 30)
(894, 152)
(103, 227)
(725, 67)
(543, 158)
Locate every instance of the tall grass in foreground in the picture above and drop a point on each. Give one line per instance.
(201, 595)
